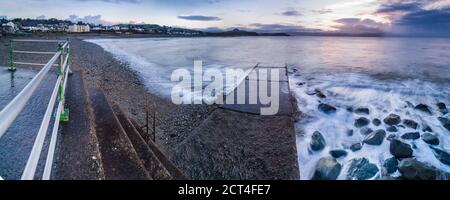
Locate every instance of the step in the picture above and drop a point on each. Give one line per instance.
(119, 158)
(158, 170)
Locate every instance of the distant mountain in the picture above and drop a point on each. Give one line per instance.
(237, 32)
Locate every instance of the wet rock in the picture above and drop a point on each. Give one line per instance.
(391, 137)
(400, 149)
(317, 141)
(391, 165)
(375, 138)
(410, 123)
(338, 153)
(442, 108)
(327, 169)
(412, 169)
(430, 139)
(411, 136)
(362, 111)
(300, 83)
(424, 108)
(392, 129)
(349, 109)
(442, 156)
(366, 131)
(361, 122)
(327, 108)
(376, 122)
(356, 147)
(427, 128)
(445, 122)
(361, 169)
(350, 132)
(320, 94)
(392, 120)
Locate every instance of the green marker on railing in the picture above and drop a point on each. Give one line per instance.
(12, 66)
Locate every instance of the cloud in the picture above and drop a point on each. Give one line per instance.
(199, 18)
(41, 17)
(115, 1)
(360, 26)
(92, 19)
(322, 11)
(291, 13)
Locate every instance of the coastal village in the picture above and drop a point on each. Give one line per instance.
(30, 26)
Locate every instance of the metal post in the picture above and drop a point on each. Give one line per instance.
(65, 53)
(12, 66)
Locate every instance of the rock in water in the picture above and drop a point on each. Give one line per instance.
(327, 169)
(361, 122)
(327, 108)
(430, 139)
(400, 149)
(445, 122)
(392, 129)
(412, 169)
(391, 137)
(375, 138)
(392, 120)
(376, 122)
(366, 131)
(410, 123)
(356, 147)
(442, 108)
(361, 169)
(362, 111)
(411, 136)
(350, 132)
(442, 156)
(391, 165)
(427, 128)
(424, 108)
(338, 153)
(317, 141)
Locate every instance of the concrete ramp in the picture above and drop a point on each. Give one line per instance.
(235, 142)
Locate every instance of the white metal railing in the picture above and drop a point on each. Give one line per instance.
(15, 107)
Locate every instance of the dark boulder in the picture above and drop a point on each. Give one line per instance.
(430, 139)
(361, 122)
(366, 131)
(391, 165)
(338, 153)
(300, 83)
(400, 149)
(362, 111)
(327, 169)
(411, 136)
(361, 169)
(410, 123)
(391, 137)
(375, 138)
(445, 122)
(317, 141)
(327, 108)
(350, 132)
(392, 120)
(424, 108)
(356, 147)
(412, 169)
(376, 122)
(442, 156)
(427, 128)
(392, 129)
(442, 108)
(320, 94)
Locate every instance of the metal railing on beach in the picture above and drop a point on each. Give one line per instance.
(62, 59)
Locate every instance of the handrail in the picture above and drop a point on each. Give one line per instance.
(30, 168)
(15, 107)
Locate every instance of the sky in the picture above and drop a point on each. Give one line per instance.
(411, 17)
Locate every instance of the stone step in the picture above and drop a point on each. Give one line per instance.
(119, 158)
(158, 166)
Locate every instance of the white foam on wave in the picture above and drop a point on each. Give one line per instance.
(382, 97)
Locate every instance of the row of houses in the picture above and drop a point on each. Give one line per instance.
(54, 25)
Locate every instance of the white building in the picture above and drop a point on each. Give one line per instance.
(79, 28)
